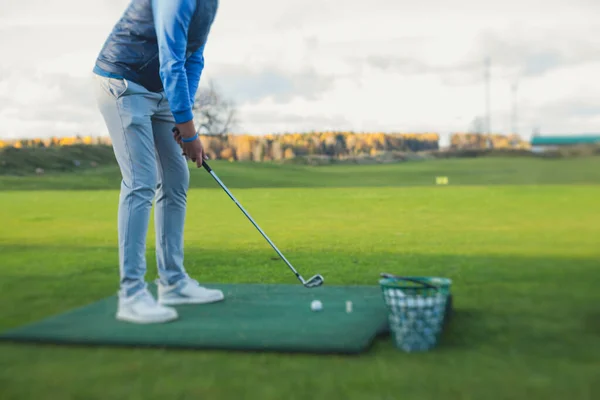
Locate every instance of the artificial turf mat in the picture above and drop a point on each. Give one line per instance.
(254, 317)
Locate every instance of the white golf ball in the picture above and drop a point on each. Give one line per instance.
(316, 305)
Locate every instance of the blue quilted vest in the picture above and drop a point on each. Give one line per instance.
(131, 49)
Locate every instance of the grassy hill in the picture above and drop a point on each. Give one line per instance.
(460, 171)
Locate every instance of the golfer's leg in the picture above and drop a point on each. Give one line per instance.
(171, 197)
(127, 113)
(175, 286)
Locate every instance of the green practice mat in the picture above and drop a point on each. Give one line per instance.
(253, 317)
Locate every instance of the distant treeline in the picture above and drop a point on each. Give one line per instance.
(27, 157)
(278, 146)
(460, 141)
(274, 147)
(329, 144)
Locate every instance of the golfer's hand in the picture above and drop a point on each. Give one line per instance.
(193, 150)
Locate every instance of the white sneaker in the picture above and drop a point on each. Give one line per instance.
(142, 308)
(187, 291)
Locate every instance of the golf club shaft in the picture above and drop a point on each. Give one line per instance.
(216, 178)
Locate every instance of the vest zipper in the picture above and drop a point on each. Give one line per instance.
(148, 62)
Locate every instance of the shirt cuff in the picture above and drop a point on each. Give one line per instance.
(183, 116)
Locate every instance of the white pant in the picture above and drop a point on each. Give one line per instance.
(153, 168)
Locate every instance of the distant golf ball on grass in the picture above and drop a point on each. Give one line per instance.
(316, 305)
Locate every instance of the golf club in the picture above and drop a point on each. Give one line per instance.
(314, 281)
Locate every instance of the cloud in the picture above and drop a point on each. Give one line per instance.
(24, 89)
(513, 53)
(539, 53)
(278, 122)
(245, 85)
(47, 104)
(412, 66)
(571, 108)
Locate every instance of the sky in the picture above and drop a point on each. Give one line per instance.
(298, 65)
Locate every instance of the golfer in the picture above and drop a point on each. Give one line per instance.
(147, 74)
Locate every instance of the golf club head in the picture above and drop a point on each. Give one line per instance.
(315, 281)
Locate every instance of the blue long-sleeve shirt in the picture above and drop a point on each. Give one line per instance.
(180, 77)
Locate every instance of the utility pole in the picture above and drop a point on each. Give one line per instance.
(515, 87)
(487, 75)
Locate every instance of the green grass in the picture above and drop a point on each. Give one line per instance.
(519, 238)
(465, 171)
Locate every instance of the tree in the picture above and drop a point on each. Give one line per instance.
(213, 114)
(477, 125)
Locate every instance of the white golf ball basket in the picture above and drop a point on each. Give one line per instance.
(418, 307)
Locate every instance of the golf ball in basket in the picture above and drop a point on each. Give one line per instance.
(316, 305)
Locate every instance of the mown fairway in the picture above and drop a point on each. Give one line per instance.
(520, 239)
